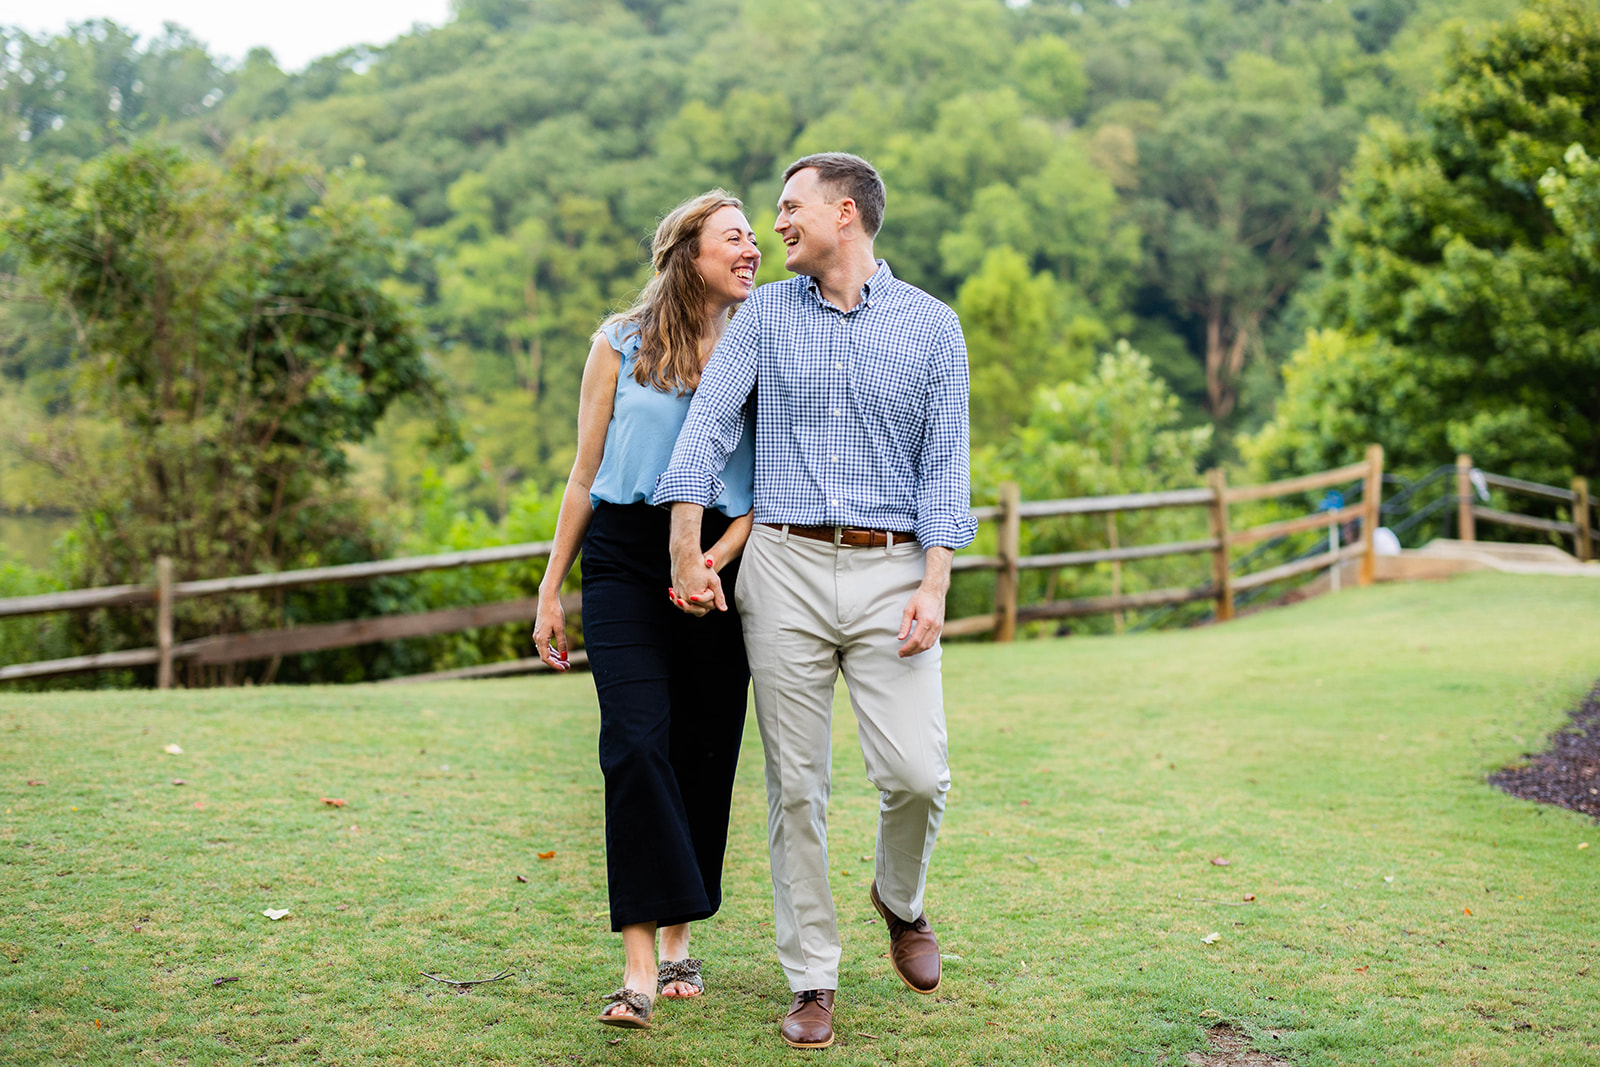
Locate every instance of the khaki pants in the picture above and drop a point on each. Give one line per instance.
(811, 609)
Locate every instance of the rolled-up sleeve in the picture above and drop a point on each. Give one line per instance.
(716, 418)
(944, 473)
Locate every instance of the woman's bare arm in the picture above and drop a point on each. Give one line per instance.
(596, 397)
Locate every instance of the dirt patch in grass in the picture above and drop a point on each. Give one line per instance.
(1568, 772)
(1230, 1048)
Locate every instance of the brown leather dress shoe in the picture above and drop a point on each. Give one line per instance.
(809, 1023)
(913, 950)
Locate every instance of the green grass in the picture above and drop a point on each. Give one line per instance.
(1334, 752)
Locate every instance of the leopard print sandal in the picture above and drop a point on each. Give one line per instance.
(637, 1017)
(686, 971)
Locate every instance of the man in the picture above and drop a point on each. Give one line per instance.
(862, 493)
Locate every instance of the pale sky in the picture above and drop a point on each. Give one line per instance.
(297, 31)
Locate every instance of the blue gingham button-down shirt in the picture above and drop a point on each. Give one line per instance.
(861, 415)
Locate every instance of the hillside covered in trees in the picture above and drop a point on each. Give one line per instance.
(258, 319)
(1066, 174)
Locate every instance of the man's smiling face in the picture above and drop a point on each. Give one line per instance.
(807, 222)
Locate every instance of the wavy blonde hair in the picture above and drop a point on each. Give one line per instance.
(670, 311)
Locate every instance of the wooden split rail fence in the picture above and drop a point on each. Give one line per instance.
(1585, 538)
(1216, 497)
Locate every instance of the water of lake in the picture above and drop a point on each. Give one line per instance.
(29, 537)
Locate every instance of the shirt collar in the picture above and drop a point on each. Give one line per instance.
(879, 283)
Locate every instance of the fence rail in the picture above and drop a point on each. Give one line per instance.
(1581, 528)
(1217, 498)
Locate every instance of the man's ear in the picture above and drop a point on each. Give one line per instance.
(847, 211)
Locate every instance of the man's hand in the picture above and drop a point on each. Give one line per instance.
(923, 620)
(696, 586)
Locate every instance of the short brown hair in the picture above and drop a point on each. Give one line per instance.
(851, 176)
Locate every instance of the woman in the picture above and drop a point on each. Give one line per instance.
(671, 686)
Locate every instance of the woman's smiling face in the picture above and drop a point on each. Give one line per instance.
(728, 256)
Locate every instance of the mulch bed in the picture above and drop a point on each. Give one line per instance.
(1567, 773)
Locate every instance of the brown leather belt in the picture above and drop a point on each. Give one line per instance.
(849, 536)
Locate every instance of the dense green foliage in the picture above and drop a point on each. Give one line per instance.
(232, 340)
(1071, 176)
(1065, 173)
(1116, 431)
(1462, 294)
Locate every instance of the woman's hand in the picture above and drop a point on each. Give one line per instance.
(550, 633)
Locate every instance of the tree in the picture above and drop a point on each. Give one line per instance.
(1238, 180)
(231, 340)
(1462, 279)
(1116, 431)
(1021, 334)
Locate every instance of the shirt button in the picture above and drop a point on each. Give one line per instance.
(833, 459)
(835, 503)
(836, 412)
(838, 366)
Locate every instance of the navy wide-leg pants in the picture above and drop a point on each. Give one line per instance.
(672, 692)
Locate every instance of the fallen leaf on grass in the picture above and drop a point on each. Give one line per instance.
(1466, 911)
(40, 781)
(521, 878)
(173, 750)
(1249, 898)
(276, 913)
(613, 1040)
(1212, 938)
(199, 804)
(1218, 861)
(1581, 844)
(180, 781)
(548, 855)
(334, 802)
(224, 981)
(869, 1037)
(341, 907)
(1362, 969)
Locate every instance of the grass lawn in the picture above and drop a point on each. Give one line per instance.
(1333, 753)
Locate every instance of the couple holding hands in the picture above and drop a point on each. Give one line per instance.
(814, 452)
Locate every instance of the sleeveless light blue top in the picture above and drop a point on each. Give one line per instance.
(644, 426)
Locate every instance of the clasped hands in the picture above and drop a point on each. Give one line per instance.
(696, 585)
(697, 589)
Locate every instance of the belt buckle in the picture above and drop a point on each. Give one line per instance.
(838, 537)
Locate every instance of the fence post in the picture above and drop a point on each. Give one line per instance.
(1221, 572)
(1371, 500)
(1466, 528)
(164, 622)
(1010, 548)
(1580, 518)
(1118, 619)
